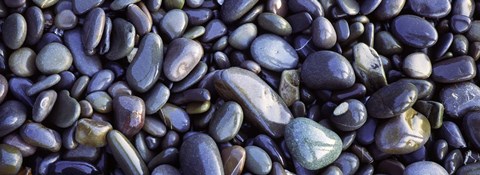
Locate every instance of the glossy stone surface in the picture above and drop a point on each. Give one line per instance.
(10, 159)
(72, 167)
(311, 144)
(425, 167)
(349, 115)
(421, 34)
(22, 62)
(324, 35)
(174, 23)
(181, 58)
(261, 105)
(392, 100)
(273, 53)
(226, 122)
(92, 133)
(233, 10)
(200, 155)
(274, 23)
(43, 105)
(129, 114)
(242, 37)
(38, 135)
(86, 64)
(388, 9)
(460, 98)
(14, 32)
(66, 110)
(12, 115)
(175, 118)
(454, 70)
(125, 154)
(233, 159)
(327, 70)
(257, 160)
(417, 65)
(53, 58)
(403, 134)
(452, 134)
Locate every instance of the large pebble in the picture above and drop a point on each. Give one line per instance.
(174, 24)
(54, 58)
(226, 122)
(122, 39)
(125, 154)
(129, 113)
(392, 100)
(10, 159)
(257, 160)
(273, 53)
(460, 98)
(368, 66)
(311, 144)
(199, 154)
(12, 115)
(233, 159)
(425, 168)
(473, 135)
(38, 135)
(84, 63)
(92, 132)
(43, 105)
(323, 33)
(274, 23)
(182, 56)
(22, 62)
(175, 118)
(419, 34)
(262, 106)
(454, 70)
(14, 31)
(327, 70)
(242, 37)
(65, 111)
(430, 9)
(146, 66)
(388, 9)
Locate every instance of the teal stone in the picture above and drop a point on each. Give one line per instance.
(311, 144)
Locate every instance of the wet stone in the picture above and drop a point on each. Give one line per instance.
(214, 30)
(121, 4)
(454, 70)
(129, 114)
(101, 102)
(425, 167)
(420, 34)
(35, 24)
(233, 10)
(156, 98)
(274, 23)
(257, 160)
(92, 133)
(233, 159)
(43, 84)
(66, 110)
(327, 70)
(14, 31)
(174, 24)
(242, 37)
(428, 9)
(12, 115)
(175, 118)
(38, 135)
(392, 100)
(43, 105)
(226, 122)
(22, 62)
(125, 154)
(323, 33)
(368, 66)
(122, 39)
(100, 81)
(388, 9)
(181, 58)
(273, 53)
(10, 159)
(460, 98)
(200, 155)
(53, 58)
(85, 64)
(66, 20)
(452, 134)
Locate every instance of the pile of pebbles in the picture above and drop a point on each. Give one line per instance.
(231, 87)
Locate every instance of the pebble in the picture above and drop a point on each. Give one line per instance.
(100, 101)
(425, 167)
(93, 29)
(45, 3)
(175, 118)
(22, 62)
(327, 70)
(465, 70)
(403, 134)
(77, 167)
(145, 69)
(121, 4)
(43, 105)
(387, 9)
(125, 154)
(200, 155)
(471, 119)
(421, 34)
(41, 85)
(12, 115)
(242, 37)
(348, 163)
(181, 58)
(226, 122)
(233, 159)
(53, 59)
(273, 53)
(35, 25)
(349, 115)
(386, 44)
(425, 8)
(10, 159)
(83, 6)
(311, 144)
(368, 66)
(460, 23)
(165, 169)
(254, 95)
(92, 132)
(459, 98)
(313, 7)
(66, 20)
(122, 39)
(274, 23)
(38, 135)
(289, 86)
(174, 24)
(85, 64)
(14, 31)
(66, 110)
(156, 98)
(417, 65)
(129, 114)
(368, 6)
(154, 127)
(452, 134)
(214, 30)
(18, 87)
(392, 100)
(3, 88)
(323, 33)
(257, 160)
(233, 10)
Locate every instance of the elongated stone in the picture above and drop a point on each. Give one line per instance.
(262, 106)
(122, 39)
(125, 154)
(84, 63)
(93, 29)
(200, 155)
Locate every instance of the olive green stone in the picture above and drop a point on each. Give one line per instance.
(22, 62)
(289, 88)
(257, 160)
(92, 132)
(38, 135)
(121, 4)
(79, 86)
(243, 36)
(65, 111)
(274, 23)
(312, 145)
(125, 154)
(10, 160)
(100, 101)
(14, 31)
(173, 4)
(53, 58)
(45, 3)
(122, 39)
(226, 122)
(194, 32)
(262, 106)
(403, 134)
(198, 107)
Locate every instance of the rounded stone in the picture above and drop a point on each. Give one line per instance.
(312, 145)
(54, 58)
(100, 101)
(349, 115)
(199, 154)
(243, 36)
(182, 56)
(66, 20)
(129, 114)
(430, 9)
(392, 100)
(425, 168)
(92, 132)
(274, 23)
(38, 135)
(327, 70)
(22, 62)
(417, 65)
(10, 159)
(14, 31)
(323, 33)
(273, 53)
(125, 154)
(419, 34)
(226, 122)
(43, 105)
(257, 160)
(12, 115)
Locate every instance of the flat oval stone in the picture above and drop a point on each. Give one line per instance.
(122, 39)
(84, 63)
(348, 163)
(386, 44)
(22, 62)
(243, 36)
(327, 70)
(421, 34)
(12, 115)
(257, 160)
(156, 98)
(311, 144)
(417, 65)
(233, 159)
(313, 7)
(454, 70)
(154, 127)
(17, 87)
(72, 167)
(175, 118)
(349, 115)
(262, 106)
(101, 102)
(100, 81)
(273, 53)
(93, 29)
(38, 135)
(53, 59)
(174, 24)
(403, 134)
(165, 169)
(35, 24)
(43, 105)
(425, 167)
(274, 23)
(233, 10)
(65, 111)
(429, 9)
(125, 154)
(41, 85)
(129, 113)
(198, 16)
(146, 67)
(200, 155)
(181, 58)
(459, 98)
(10, 159)
(92, 132)
(392, 100)
(83, 6)
(226, 122)
(14, 31)
(368, 67)
(214, 30)
(388, 9)
(323, 33)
